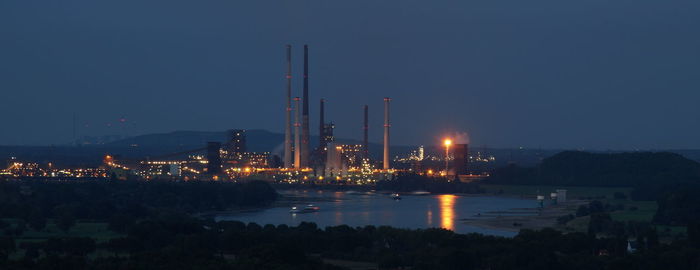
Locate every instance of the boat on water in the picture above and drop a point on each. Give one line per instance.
(396, 196)
(306, 209)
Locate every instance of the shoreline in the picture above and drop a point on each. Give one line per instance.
(507, 220)
(546, 218)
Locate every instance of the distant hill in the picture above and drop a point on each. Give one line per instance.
(162, 144)
(257, 140)
(574, 168)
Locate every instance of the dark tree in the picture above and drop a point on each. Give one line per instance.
(65, 217)
(7, 246)
(36, 220)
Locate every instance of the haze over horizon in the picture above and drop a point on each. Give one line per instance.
(550, 74)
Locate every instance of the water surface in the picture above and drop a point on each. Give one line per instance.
(413, 212)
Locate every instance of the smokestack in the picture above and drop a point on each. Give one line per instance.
(288, 113)
(322, 120)
(305, 118)
(297, 140)
(365, 140)
(386, 133)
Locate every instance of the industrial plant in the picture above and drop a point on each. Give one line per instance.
(329, 162)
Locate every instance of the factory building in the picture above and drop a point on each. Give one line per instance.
(334, 161)
(297, 154)
(255, 159)
(236, 143)
(328, 133)
(460, 160)
(214, 158)
(352, 154)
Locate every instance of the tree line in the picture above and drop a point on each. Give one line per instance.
(33, 203)
(181, 242)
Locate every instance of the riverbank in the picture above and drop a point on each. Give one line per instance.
(517, 219)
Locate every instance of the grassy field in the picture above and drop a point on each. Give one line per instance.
(634, 210)
(99, 231)
(637, 211)
(96, 230)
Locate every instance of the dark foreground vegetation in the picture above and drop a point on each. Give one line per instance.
(150, 225)
(120, 203)
(181, 242)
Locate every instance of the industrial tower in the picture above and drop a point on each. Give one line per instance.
(305, 117)
(288, 113)
(297, 139)
(386, 134)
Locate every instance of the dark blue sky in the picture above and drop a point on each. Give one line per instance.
(545, 73)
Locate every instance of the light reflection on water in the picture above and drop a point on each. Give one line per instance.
(430, 218)
(447, 211)
(414, 212)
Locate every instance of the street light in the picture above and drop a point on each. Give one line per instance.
(447, 143)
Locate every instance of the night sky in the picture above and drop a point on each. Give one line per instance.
(593, 74)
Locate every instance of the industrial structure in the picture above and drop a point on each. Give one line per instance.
(365, 136)
(305, 117)
(213, 158)
(387, 162)
(328, 162)
(297, 136)
(288, 113)
(460, 160)
(322, 125)
(236, 144)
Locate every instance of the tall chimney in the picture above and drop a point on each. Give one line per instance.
(305, 120)
(297, 140)
(365, 140)
(386, 133)
(288, 113)
(321, 133)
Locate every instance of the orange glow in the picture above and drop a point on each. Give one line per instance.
(430, 217)
(447, 211)
(447, 142)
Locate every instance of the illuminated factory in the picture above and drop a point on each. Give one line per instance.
(329, 158)
(22, 169)
(216, 161)
(329, 162)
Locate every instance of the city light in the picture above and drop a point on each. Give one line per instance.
(447, 143)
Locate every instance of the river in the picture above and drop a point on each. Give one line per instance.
(413, 212)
